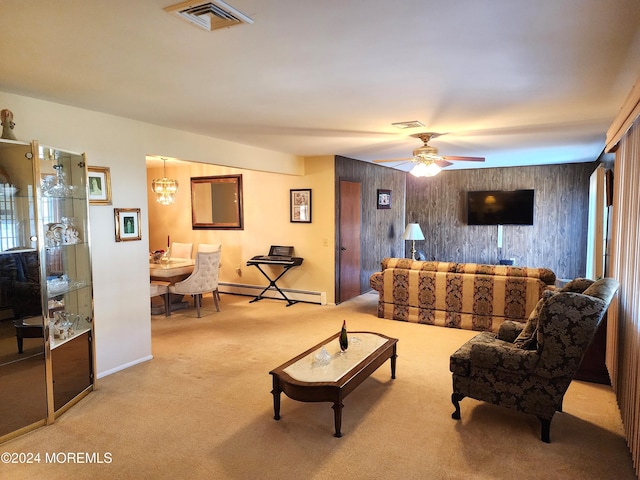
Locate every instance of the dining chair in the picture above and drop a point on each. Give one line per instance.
(204, 279)
(161, 289)
(181, 250)
(209, 247)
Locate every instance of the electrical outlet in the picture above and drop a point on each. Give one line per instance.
(325, 242)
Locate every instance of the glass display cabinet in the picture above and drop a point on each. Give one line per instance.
(46, 294)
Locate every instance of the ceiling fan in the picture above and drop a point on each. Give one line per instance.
(428, 162)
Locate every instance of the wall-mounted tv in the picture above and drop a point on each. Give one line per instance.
(500, 207)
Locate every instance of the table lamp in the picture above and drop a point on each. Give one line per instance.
(413, 233)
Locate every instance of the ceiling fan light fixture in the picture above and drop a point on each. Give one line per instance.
(427, 152)
(423, 169)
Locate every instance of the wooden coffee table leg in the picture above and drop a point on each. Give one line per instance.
(337, 414)
(276, 398)
(393, 362)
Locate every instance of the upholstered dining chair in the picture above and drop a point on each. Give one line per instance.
(181, 250)
(209, 247)
(161, 289)
(204, 279)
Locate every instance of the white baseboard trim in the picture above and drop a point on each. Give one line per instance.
(254, 290)
(124, 366)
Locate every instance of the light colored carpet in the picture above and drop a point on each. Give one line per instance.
(202, 408)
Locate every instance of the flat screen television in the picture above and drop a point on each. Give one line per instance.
(500, 207)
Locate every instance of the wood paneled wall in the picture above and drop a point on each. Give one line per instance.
(381, 230)
(557, 239)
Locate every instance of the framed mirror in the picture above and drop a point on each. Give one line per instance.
(216, 202)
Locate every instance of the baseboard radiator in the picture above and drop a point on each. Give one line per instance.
(319, 298)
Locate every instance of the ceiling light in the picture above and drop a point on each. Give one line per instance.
(164, 188)
(425, 169)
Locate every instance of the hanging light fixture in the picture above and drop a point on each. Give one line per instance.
(426, 157)
(425, 169)
(164, 188)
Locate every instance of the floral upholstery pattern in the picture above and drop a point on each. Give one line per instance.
(544, 274)
(527, 338)
(470, 296)
(492, 368)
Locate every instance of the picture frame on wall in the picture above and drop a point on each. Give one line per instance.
(127, 224)
(300, 209)
(384, 199)
(99, 179)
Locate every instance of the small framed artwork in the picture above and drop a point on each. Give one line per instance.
(301, 206)
(127, 222)
(99, 185)
(384, 199)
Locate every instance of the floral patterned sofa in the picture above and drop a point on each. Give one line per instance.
(528, 367)
(458, 295)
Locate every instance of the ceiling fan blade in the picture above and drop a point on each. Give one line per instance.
(442, 163)
(394, 160)
(463, 159)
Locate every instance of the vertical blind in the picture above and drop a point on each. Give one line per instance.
(623, 328)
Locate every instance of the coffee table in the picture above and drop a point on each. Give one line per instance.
(324, 374)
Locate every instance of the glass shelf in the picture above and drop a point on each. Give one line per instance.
(69, 287)
(57, 342)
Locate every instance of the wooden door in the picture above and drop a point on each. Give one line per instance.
(349, 241)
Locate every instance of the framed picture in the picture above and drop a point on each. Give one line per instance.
(127, 222)
(99, 185)
(384, 199)
(301, 206)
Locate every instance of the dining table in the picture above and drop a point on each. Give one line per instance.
(171, 270)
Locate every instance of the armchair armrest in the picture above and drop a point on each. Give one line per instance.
(503, 356)
(509, 330)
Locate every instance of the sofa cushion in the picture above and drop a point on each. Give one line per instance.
(509, 330)
(408, 264)
(544, 274)
(502, 356)
(577, 285)
(527, 339)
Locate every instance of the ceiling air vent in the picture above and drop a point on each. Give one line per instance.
(410, 124)
(209, 15)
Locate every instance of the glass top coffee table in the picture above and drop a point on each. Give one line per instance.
(324, 374)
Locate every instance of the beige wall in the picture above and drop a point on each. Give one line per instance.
(266, 222)
(121, 271)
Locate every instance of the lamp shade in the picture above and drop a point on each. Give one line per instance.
(413, 232)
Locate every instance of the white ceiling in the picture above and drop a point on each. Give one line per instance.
(518, 82)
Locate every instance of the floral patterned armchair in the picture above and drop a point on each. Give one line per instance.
(528, 367)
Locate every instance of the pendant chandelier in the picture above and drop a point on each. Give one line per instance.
(164, 188)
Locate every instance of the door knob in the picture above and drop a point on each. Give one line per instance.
(342, 248)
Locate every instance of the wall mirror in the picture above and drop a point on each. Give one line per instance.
(216, 202)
